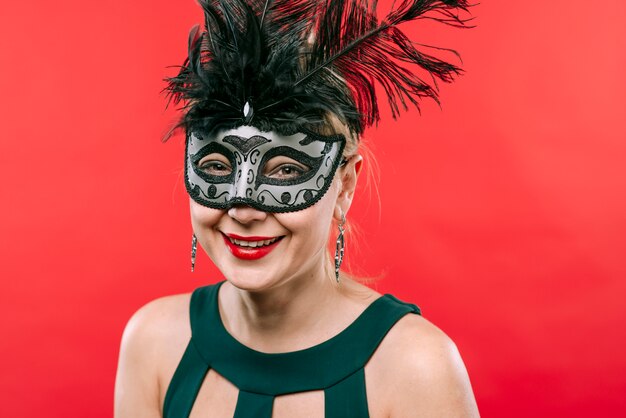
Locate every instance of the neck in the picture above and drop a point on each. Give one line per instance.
(290, 316)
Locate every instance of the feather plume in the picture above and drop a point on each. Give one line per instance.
(285, 64)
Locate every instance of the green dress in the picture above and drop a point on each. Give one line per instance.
(334, 366)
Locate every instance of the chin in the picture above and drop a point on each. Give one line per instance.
(252, 281)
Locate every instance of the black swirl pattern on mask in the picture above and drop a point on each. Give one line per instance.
(250, 176)
(319, 182)
(302, 197)
(197, 194)
(254, 156)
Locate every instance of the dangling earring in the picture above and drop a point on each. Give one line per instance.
(194, 245)
(339, 249)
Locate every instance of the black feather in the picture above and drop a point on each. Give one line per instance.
(291, 62)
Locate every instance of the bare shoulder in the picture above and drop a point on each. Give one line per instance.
(152, 344)
(424, 368)
(156, 328)
(159, 318)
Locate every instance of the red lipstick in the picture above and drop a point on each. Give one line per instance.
(248, 252)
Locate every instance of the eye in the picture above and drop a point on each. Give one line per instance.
(282, 167)
(215, 164)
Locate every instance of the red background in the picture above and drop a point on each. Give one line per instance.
(503, 215)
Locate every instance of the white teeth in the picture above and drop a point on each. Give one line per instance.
(252, 244)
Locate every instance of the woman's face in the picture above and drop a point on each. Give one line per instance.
(258, 250)
(246, 187)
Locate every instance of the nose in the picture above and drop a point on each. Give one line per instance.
(246, 214)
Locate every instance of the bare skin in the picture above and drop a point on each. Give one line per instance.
(289, 303)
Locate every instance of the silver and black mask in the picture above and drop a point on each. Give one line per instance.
(264, 170)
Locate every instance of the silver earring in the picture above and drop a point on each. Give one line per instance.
(194, 246)
(339, 248)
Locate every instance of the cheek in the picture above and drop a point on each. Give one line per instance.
(309, 226)
(203, 217)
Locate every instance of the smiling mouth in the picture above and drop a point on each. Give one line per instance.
(253, 244)
(250, 248)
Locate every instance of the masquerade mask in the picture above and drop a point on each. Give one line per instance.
(264, 170)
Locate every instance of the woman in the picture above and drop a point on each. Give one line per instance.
(276, 96)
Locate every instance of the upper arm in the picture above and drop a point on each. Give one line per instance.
(434, 381)
(145, 352)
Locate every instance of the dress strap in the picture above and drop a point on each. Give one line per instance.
(253, 405)
(185, 384)
(348, 398)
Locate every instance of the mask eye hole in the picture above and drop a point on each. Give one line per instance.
(215, 164)
(284, 168)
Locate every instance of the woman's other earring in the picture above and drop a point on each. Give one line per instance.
(339, 249)
(194, 246)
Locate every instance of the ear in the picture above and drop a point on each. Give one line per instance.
(348, 176)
